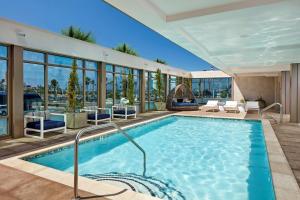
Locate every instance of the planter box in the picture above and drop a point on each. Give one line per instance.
(160, 105)
(76, 120)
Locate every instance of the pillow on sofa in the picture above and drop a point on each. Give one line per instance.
(179, 100)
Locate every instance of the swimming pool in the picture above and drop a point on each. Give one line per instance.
(187, 158)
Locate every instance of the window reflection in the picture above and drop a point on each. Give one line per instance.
(3, 93)
(117, 85)
(109, 89)
(34, 89)
(33, 56)
(62, 60)
(3, 51)
(211, 88)
(91, 88)
(57, 87)
(172, 82)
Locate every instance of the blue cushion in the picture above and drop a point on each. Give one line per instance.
(48, 124)
(184, 104)
(99, 116)
(122, 112)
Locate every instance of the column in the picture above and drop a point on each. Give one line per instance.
(295, 93)
(142, 90)
(285, 91)
(101, 84)
(16, 92)
(167, 86)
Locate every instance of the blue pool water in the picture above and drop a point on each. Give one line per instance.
(187, 158)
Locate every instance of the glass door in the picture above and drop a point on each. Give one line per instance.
(3, 91)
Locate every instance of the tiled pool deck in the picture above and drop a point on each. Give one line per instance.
(285, 184)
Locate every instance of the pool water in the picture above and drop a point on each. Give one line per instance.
(187, 158)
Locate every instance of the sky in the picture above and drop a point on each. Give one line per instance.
(109, 26)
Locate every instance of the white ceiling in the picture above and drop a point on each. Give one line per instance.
(237, 36)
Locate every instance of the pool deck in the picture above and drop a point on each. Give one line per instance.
(22, 172)
(14, 147)
(16, 184)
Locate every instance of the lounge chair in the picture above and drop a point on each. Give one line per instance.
(211, 105)
(231, 106)
(125, 111)
(40, 122)
(252, 105)
(94, 114)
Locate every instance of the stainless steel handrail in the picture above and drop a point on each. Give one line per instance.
(272, 105)
(76, 146)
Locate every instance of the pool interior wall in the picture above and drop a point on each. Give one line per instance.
(187, 158)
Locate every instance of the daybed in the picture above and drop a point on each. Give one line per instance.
(181, 98)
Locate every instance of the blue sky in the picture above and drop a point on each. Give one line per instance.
(109, 26)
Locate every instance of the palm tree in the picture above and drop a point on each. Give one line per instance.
(126, 49)
(75, 32)
(160, 61)
(54, 86)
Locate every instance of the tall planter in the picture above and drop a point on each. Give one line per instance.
(159, 104)
(75, 119)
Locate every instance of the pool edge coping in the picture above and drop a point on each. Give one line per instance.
(284, 182)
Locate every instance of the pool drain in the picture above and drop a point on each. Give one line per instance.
(138, 183)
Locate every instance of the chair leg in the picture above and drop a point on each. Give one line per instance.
(65, 129)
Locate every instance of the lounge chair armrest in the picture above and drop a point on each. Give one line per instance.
(88, 110)
(109, 110)
(134, 107)
(33, 117)
(60, 114)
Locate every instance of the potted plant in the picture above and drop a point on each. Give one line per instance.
(75, 119)
(130, 94)
(159, 104)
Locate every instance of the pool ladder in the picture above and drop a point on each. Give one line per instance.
(271, 106)
(76, 147)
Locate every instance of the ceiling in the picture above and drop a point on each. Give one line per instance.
(236, 36)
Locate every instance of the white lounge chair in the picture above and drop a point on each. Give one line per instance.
(125, 111)
(94, 114)
(231, 106)
(252, 105)
(211, 105)
(41, 123)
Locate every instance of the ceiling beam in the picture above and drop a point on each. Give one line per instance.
(219, 9)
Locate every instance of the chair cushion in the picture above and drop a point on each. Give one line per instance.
(122, 112)
(48, 124)
(185, 104)
(99, 116)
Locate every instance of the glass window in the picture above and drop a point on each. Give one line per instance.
(3, 51)
(3, 95)
(57, 87)
(65, 61)
(146, 91)
(172, 82)
(109, 68)
(91, 65)
(34, 89)
(119, 70)
(91, 88)
(121, 87)
(211, 88)
(152, 90)
(136, 89)
(33, 56)
(109, 90)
